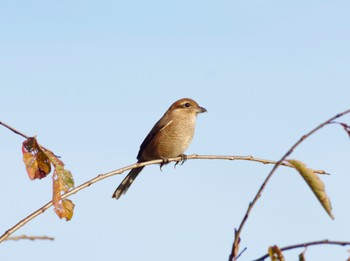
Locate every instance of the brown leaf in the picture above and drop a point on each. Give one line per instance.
(276, 254)
(302, 257)
(36, 162)
(62, 183)
(53, 158)
(315, 184)
(64, 208)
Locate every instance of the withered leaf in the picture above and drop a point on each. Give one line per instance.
(275, 253)
(315, 184)
(62, 183)
(37, 163)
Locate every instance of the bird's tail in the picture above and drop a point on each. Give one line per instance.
(126, 183)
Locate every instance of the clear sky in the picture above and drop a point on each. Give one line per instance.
(90, 78)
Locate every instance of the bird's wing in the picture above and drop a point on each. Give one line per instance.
(162, 124)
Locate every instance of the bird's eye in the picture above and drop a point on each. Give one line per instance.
(187, 104)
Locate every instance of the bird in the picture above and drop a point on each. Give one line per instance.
(169, 138)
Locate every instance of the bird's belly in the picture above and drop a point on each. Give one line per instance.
(168, 145)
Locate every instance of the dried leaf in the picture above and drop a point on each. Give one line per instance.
(315, 184)
(302, 257)
(275, 253)
(37, 163)
(65, 178)
(62, 183)
(53, 158)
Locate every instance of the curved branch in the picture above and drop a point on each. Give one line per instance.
(235, 245)
(321, 242)
(121, 170)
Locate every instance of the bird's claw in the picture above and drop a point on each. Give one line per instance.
(164, 162)
(182, 160)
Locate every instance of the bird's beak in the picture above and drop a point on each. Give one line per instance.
(201, 110)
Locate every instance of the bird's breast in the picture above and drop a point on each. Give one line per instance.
(172, 140)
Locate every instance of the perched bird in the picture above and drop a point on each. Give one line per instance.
(169, 138)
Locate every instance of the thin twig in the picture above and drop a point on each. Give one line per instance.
(321, 242)
(248, 158)
(14, 130)
(20, 133)
(239, 255)
(16, 238)
(235, 245)
(121, 170)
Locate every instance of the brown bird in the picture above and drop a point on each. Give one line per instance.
(169, 138)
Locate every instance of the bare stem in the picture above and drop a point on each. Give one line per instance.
(235, 245)
(19, 133)
(321, 242)
(16, 238)
(121, 170)
(14, 130)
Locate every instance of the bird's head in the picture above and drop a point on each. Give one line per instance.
(186, 105)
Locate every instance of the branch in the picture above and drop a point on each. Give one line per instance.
(121, 170)
(16, 238)
(321, 242)
(19, 133)
(14, 130)
(235, 245)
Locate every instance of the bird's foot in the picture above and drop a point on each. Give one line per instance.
(164, 162)
(182, 160)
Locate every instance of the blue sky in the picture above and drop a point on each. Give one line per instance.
(90, 78)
